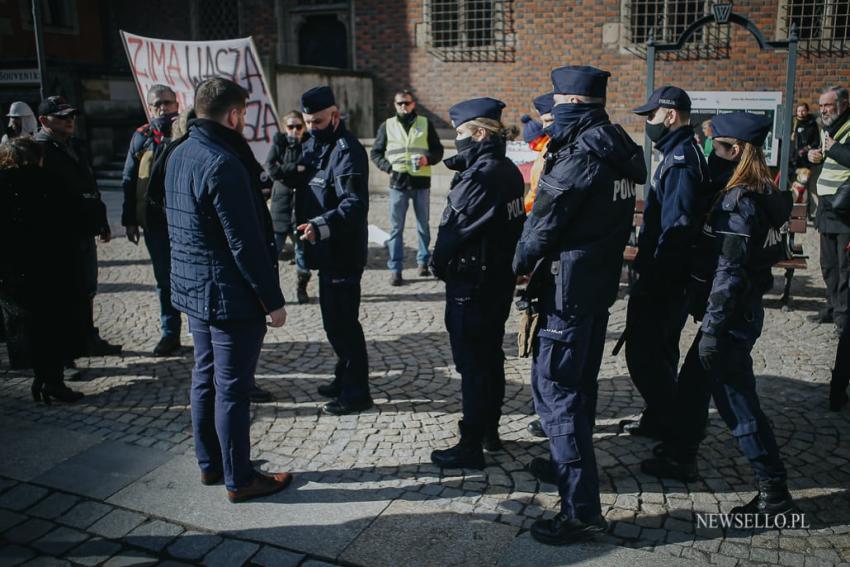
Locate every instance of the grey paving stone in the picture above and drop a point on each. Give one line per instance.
(104, 469)
(53, 506)
(11, 555)
(93, 551)
(274, 557)
(117, 523)
(131, 558)
(45, 561)
(193, 545)
(404, 529)
(317, 563)
(30, 530)
(60, 540)
(84, 514)
(22, 497)
(153, 535)
(29, 449)
(230, 552)
(9, 519)
(6, 484)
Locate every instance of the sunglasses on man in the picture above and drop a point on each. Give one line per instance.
(403, 102)
(158, 103)
(294, 126)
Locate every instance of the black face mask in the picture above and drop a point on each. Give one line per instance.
(656, 131)
(325, 135)
(464, 144)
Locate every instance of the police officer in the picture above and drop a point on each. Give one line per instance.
(573, 241)
(675, 206)
(743, 241)
(333, 221)
(476, 240)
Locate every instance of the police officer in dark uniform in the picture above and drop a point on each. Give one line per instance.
(475, 245)
(333, 219)
(573, 243)
(740, 243)
(676, 203)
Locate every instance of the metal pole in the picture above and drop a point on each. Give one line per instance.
(788, 112)
(650, 86)
(39, 46)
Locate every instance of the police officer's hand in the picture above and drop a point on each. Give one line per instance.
(133, 234)
(708, 350)
(278, 317)
(308, 230)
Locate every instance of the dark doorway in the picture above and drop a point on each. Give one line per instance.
(323, 42)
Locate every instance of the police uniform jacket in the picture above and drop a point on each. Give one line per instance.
(583, 212)
(483, 217)
(676, 203)
(336, 202)
(743, 240)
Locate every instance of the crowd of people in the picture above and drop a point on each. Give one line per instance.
(215, 223)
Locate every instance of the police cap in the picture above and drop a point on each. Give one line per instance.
(666, 97)
(317, 99)
(744, 126)
(580, 80)
(544, 103)
(467, 110)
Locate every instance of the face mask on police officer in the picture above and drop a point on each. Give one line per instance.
(657, 126)
(326, 135)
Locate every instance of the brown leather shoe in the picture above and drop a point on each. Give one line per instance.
(262, 485)
(212, 477)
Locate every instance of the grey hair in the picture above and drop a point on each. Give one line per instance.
(156, 90)
(840, 92)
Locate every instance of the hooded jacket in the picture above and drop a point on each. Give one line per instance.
(582, 215)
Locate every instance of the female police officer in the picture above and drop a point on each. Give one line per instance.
(475, 244)
(740, 243)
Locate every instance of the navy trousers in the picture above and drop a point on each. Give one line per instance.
(226, 354)
(339, 300)
(156, 240)
(564, 371)
(652, 351)
(475, 319)
(732, 384)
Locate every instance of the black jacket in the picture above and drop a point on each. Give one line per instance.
(401, 180)
(280, 163)
(70, 166)
(806, 137)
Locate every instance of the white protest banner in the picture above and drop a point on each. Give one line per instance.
(182, 65)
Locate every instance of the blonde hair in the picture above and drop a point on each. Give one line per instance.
(492, 127)
(752, 172)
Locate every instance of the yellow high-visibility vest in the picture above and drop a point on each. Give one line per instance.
(402, 146)
(833, 174)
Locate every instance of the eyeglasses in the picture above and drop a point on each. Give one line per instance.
(294, 126)
(158, 103)
(403, 102)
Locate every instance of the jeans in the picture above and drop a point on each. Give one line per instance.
(156, 241)
(399, 201)
(226, 354)
(300, 260)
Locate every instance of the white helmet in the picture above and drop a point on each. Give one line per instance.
(20, 109)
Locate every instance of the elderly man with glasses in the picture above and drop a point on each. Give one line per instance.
(406, 146)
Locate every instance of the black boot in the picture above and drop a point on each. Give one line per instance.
(536, 429)
(466, 454)
(772, 499)
(837, 394)
(301, 292)
(665, 464)
(59, 391)
(562, 530)
(491, 440)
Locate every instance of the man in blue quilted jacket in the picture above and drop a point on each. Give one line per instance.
(224, 277)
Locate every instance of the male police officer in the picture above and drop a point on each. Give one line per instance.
(675, 206)
(574, 240)
(335, 212)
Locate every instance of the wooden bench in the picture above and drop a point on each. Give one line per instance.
(797, 261)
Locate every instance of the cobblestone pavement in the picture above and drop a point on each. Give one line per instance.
(141, 401)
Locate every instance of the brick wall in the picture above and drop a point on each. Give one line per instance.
(552, 33)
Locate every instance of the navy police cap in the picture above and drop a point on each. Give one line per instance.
(580, 80)
(666, 97)
(467, 110)
(744, 126)
(544, 103)
(317, 99)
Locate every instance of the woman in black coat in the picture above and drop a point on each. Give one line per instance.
(38, 295)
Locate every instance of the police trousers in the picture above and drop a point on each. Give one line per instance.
(654, 325)
(339, 300)
(564, 372)
(475, 319)
(732, 384)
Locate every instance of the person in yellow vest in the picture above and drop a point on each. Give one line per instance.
(832, 219)
(543, 104)
(406, 146)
